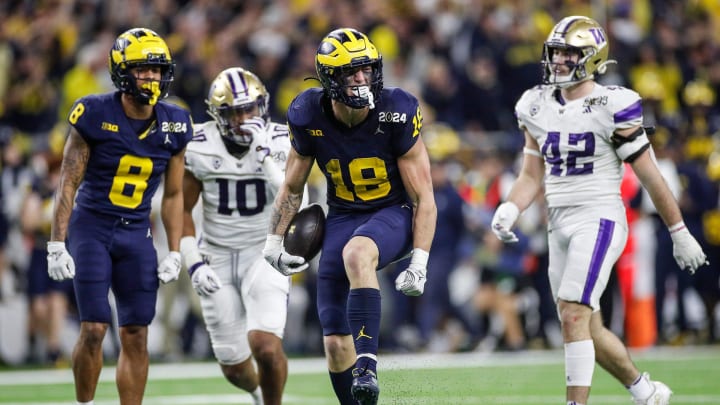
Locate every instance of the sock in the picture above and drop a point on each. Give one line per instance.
(341, 383)
(257, 396)
(91, 402)
(574, 403)
(363, 309)
(641, 388)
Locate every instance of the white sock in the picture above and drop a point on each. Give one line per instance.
(642, 388)
(257, 396)
(91, 402)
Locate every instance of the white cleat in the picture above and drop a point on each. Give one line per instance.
(660, 396)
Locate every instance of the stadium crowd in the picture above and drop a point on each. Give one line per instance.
(468, 62)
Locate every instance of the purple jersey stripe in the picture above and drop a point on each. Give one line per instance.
(602, 243)
(633, 111)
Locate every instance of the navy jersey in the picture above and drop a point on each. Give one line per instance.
(125, 168)
(359, 163)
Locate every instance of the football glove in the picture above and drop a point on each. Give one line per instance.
(503, 220)
(204, 279)
(411, 281)
(169, 268)
(282, 261)
(61, 265)
(686, 250)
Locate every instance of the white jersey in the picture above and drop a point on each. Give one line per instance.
(581, 164)
(236, 196)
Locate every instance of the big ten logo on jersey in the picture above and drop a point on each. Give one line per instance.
(315, 132)
(106, 126)
(392, 116)
(174, 127)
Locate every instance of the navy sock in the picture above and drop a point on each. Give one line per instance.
(341, 383)
(363, 308)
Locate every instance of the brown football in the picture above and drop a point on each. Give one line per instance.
(304, 236)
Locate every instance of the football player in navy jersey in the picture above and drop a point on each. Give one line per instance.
(366, 141)
(119, 148)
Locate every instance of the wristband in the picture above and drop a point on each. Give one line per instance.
(194, 267)
(190, 253)
(55, 246)
(532, 152)
(677, 227)
(419, 257)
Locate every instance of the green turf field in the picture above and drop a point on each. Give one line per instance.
(470, 378)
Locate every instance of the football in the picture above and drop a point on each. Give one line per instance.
(304, 236)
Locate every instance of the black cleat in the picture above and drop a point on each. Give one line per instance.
(365, 389)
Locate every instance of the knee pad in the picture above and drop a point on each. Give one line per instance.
(229, 354)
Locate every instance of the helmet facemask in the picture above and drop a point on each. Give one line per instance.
(229, 120)
(578, 73)
(355, 96)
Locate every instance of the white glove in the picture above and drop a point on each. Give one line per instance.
(503, 220)
(411, 281)
(686, 250)
(256, 128)
(169, 268)
(204, 279)
(282, 261)
(61, 265)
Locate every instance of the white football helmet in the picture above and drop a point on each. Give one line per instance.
(233, 94)
(584, 36)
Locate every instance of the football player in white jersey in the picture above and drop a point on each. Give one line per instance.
(236, 162)
(577, 135)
